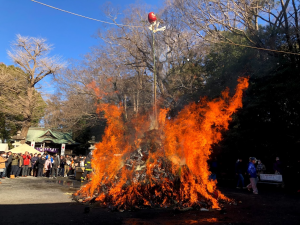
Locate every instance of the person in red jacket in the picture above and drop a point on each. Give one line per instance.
(26, 161)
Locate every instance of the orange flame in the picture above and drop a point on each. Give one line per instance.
(180, 149)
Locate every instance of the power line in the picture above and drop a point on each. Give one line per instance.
(125, 25)
(264, 49)
(75, 14)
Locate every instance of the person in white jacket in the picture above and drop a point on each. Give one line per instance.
(48, 166)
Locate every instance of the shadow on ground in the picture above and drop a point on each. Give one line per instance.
(71, 213)
(272, 206)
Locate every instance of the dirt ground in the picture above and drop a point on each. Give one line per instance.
(47, 201)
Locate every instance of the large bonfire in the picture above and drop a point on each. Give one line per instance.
(160, 167)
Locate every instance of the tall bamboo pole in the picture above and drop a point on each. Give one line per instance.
(154, 77)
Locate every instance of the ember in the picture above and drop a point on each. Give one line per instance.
(164, 167)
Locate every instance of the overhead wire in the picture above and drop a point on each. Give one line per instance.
(75, 14)
(263, 49)
(126, 25)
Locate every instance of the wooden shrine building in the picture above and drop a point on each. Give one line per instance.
(47, 140)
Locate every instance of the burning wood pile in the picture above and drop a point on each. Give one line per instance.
(165, 167)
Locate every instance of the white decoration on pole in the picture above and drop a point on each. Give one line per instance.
(32, 144)
(152, 27)
(63, 148)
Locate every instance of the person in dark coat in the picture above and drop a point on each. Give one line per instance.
(21, 165)
(76, 164)
(33, 164)
(239, 172)
(8, 164)
(40, 165)
(260, 168)
(277, 166)
(88, 166)
(55, 166)
(14, 164)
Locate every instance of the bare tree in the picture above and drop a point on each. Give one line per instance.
(74, 113)
(13, 92)
(123, 66)
(209, 19)
(31, 55)
(175, 47)
(72, 108)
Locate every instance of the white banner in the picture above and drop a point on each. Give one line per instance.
(271, 177)
(63, 148)
(33, 144)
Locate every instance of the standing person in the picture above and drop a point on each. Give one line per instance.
(14, 164)
(52, 161)
(88, 166)
(40, 165)
(253, 177)
(72, 166)
(82, 159)
(55, 166)
(33, 165)
(239, 171)
(8, 164)
(44, 170)
(30, 166)
(21, 165)
(67, 166)
(26, 158)
(2, 166)
(76, 161)
(75, 165)
(6, 171)
(260, 168)
(47, 156)
(61, 167)
(277, 166)
(48, 166)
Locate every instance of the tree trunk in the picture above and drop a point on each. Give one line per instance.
(27, 113)
(286, 29)
(296, 26)
(256, 17)
(159, 72)
(24, 130)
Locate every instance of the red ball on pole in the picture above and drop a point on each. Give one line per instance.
(151, 17)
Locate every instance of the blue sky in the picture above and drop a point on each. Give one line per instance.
(70, 35)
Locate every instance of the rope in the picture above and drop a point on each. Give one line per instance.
(75, 14)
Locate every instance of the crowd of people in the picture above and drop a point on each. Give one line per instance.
(13, 165)
(254, 169)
